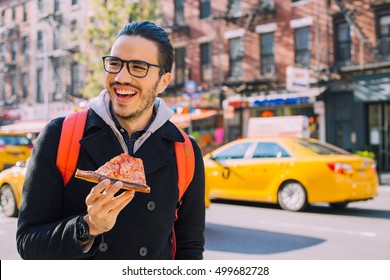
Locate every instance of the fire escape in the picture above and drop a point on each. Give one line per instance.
(245, 22)
(355, 28)
(8, 37)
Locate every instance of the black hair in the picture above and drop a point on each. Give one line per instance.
(150, 31)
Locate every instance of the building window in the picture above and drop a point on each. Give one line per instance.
(303, 46)
(56, 5)
(2, 20)
(267, 54)
(13, 86)
(40, 6)
(179, 12)
(56, 38)
(14, 50)
(206, 61)
(74, 2)
(205, 8)
(25, 12)
(236, 55)
(40, 41)
(40, 97)
(384, 36)
(13, 13)
(74, 83)
(343, 43)
(180, 65)
(25, 85)
(234, 8)
(25, 41)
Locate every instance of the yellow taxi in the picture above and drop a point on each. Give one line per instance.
(290, 172)
(14, 147)
(11, 184)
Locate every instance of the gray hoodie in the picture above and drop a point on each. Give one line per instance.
(101, 103)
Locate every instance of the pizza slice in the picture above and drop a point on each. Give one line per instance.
(123, 168)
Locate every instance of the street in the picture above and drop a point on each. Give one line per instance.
(252, 231)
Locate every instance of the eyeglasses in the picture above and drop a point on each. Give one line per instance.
(136, 68)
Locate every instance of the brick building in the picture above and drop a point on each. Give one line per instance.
(328, 60)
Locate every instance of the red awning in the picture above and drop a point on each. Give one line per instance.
(183, 120)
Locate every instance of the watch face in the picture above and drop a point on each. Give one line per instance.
(82, 230)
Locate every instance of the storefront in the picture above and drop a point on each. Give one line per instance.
(238, 109)
(373, 92)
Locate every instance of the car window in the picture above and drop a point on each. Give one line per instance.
(14, 140)
(324, 149)
(269, 150)
(233, 152)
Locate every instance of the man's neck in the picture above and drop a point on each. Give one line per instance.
(138, 124)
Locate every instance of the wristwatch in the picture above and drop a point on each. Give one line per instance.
(82, 230)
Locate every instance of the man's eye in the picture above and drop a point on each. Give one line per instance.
(114, 64)
(138, 67)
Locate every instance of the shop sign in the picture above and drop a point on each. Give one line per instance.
(297, 79)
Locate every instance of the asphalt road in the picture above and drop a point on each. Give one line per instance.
(239, 231)
(253, 231)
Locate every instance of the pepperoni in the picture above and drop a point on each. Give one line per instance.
(124, 167)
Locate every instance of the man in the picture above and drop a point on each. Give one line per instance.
(83, 220)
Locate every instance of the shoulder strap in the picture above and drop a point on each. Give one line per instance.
(185, 161)
(69, 146)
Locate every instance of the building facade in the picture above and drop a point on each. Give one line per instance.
(38, 69)
(328, 60)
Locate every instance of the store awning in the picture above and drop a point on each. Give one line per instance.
(30, 126)
(183, 120)
(277, 98)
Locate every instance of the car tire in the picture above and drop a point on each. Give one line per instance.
(8, 201)
(338, 205)
(292, 196)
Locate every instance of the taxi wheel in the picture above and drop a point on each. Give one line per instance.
(8, 201)
(292, 196)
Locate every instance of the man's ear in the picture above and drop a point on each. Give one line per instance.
(164, 82)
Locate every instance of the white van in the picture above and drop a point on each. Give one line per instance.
(291, 126)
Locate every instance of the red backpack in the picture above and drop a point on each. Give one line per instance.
(69, 148)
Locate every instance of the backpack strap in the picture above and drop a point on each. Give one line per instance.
(185, 162)
(69, 145)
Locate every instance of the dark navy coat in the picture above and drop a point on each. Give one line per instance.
(143, 230)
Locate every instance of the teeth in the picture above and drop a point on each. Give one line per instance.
(125, 92)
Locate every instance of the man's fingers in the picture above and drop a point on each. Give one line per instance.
(121, 201)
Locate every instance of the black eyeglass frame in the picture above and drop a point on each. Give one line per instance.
(123, 62)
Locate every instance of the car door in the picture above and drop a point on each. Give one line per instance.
(228, 177)
(269, 164)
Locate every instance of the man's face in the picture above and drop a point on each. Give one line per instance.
(132, 97)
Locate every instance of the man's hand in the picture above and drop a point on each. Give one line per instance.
(103, 206)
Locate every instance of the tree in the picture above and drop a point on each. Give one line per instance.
(106, 19)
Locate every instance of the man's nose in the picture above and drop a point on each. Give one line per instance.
(123, 75)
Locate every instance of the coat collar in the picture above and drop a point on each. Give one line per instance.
(101, 144)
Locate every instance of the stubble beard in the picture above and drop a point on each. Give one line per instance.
(147, 102)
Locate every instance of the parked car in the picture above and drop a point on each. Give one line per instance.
(11, 184)
(14, 147)
(291, 172)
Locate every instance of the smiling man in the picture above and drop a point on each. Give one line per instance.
(83, 220)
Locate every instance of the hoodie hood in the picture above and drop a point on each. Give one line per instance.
(101, 103)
